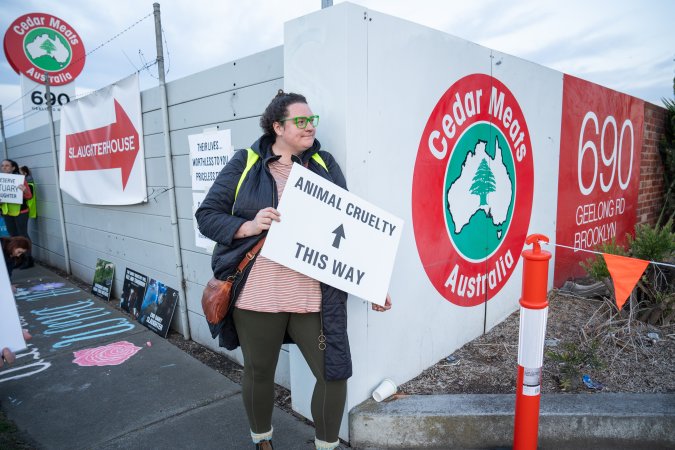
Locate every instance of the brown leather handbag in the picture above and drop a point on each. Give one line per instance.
(217, 294)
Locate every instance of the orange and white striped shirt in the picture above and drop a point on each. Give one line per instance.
(271, 287)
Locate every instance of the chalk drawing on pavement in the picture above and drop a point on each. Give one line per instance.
(28, 295)
(106, 355)
(17, 372)
(46, 286)
(79, 321)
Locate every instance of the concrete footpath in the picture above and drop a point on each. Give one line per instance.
(93, 378)
(153, 395)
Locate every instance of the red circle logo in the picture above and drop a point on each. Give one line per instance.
(36, 43)
(472, 190)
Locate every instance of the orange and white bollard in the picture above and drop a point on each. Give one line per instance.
(533, 316)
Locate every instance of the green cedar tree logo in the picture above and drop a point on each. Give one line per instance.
(483, 182)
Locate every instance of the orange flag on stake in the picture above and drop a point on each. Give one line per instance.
(625, 273)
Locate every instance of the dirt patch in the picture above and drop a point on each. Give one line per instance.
(580, 340)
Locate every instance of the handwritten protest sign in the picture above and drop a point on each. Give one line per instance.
(9, 188)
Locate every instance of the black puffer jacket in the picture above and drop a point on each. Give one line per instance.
(219, 217)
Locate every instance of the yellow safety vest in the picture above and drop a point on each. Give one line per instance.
(252, 157)
(11, 209)
(32, 202)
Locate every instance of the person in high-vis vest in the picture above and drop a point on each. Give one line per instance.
(16, 215)
(32, 209)
(31, 202)
(272, 303)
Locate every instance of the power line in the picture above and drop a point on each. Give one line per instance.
(16, 119)
(92, 51)
(114, 37)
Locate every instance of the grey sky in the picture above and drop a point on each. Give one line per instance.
(625, 45)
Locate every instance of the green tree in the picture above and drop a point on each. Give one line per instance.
(483, 182)
(48, 46)
(667, 152)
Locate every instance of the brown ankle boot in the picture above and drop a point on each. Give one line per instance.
(264, 445)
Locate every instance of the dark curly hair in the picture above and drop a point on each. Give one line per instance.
(9, 244)
(277, 110)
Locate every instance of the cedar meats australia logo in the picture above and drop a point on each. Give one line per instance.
(36, 43)
(472, 190)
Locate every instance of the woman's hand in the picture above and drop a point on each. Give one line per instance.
(386, 307)
(21, 187)
(7, 357)
(261, 222)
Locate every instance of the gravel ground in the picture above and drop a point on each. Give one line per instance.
(621, 358)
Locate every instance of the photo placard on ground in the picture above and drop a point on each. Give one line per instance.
(11, 335)
(352, 244)
(158, 306)
(103, 279)
(133, 291)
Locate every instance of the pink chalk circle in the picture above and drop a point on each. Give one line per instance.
(107, 355)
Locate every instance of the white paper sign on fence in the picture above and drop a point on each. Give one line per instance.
(209, 152)
(200, 240)
(334, 236)
(9, 188)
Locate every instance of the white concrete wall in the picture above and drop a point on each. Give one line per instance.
(375, 79)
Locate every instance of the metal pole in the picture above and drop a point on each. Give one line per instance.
(169, 173)
(326, 3)
(55, 160)
(2, 132)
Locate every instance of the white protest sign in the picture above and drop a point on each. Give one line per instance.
(200, 240)
(9, 188)
(11, 335)
(209, 152)
(334, 236)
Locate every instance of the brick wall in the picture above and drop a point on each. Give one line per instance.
(652, 190)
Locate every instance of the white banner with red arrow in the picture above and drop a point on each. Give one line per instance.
(102, 161)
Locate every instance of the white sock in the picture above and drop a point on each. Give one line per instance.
(323, 445)
(259, 437)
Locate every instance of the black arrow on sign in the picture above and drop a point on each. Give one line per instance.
(339, 234)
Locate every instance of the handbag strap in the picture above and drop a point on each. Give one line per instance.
(250, 255)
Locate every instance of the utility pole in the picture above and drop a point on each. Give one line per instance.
(55, 160)
(169, 174)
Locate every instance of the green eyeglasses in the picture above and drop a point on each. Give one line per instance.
(302, 121)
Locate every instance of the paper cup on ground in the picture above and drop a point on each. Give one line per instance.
(386, 389)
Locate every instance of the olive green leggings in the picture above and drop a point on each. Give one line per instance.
(261, 336)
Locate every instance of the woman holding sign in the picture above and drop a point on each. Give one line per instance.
(274, 304)
(16, 214)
